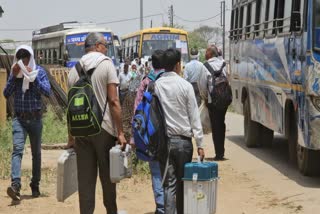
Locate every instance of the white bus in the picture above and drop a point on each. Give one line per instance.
(64, 43)
(275, 74)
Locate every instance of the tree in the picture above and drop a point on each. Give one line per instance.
(210, 34)
(195, 41)
(176, 25)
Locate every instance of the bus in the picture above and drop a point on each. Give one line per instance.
(142, 43)
(63, 44)
(275, 74)
(117, 49)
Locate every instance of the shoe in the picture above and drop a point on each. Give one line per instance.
(219, 158)
(35, 190)
(13, 192)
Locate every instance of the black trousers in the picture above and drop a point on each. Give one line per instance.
(180, 153)
(93, 155)
(217, 118)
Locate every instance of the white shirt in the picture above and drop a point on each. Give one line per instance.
(180, 106)
(124, 80)
(195, 71)
(192, 70)
(216, 64)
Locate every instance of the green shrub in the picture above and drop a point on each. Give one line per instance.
(54, 130)
(5, 149)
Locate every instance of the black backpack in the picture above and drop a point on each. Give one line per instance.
(84, 115)
(221, 92)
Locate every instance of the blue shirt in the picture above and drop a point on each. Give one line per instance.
(193, 70)
(30, 100)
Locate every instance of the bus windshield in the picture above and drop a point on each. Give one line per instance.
(75, 45)
(316, 39)
(152, 42)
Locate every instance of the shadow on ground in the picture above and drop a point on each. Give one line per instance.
(277, 156)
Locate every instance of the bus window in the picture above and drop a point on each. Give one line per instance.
(55, 56)
(240, 23)
(152, 42)
(272, 18)
(257, 26)
(316, 39)
(252, 19)
(279, 12)
(232, 25)
(266, 17)
(248, 21)
(236, 24)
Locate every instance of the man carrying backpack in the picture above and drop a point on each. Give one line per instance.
(93, 151)
(217, 112)
(157, 64)
(182, 118)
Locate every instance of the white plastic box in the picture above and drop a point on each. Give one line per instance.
(200, 197)
(120, 163)
(67, 176)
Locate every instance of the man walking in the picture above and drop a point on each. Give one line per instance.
(183, 122)
(197, 74)
(157, 64)
(217, 115)
(93, 152)
(27, 82)
(125, 78)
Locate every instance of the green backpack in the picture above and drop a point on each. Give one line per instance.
(84, 115)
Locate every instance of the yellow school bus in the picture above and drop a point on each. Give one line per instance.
(142, 43)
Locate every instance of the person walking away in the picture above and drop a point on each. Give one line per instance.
(157, 64)
(27, 82)
(93, 151)
(196, 73)
(124, 78)
(217, 115)
(182, 117)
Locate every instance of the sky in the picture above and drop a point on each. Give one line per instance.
(22, 16)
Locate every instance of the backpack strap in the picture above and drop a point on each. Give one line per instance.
(89, 73)
(79, 69)
(213, 72)
(153, 77)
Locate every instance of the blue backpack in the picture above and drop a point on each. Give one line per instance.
(149, 126)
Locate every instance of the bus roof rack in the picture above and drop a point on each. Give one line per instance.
(64, 26)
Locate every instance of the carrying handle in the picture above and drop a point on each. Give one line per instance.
(199, 159)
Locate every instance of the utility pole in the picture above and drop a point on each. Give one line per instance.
(170, 15)
(1, 11)
(223, 24)
(151, 23)
(141, 14)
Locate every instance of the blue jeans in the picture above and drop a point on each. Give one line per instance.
(20, 129)
(156, 185)
(180, 153)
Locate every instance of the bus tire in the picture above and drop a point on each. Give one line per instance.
(251, 128)
(292, 134)
(266, 136)
(308, 161)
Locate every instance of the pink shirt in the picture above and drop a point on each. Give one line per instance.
(143, 85)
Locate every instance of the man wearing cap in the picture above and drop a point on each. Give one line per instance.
(197, 74)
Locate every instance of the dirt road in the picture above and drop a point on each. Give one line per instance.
(253, 181)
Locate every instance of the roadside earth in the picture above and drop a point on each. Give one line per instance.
(252, 181)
